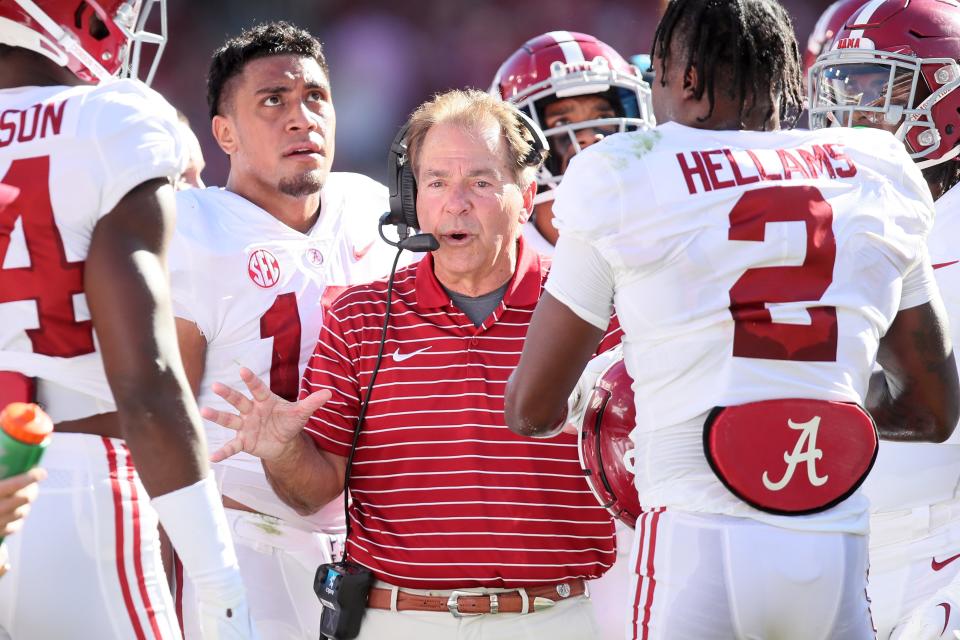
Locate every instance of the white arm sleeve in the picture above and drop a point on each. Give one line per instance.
(583, 280)
(919, 284)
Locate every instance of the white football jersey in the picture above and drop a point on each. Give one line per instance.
(73, 152)
(256, 290)
(912, 474)
(746, 266)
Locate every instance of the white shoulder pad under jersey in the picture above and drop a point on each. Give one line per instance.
(256, 288)
(74, 153)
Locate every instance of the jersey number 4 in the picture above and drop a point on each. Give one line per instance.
(756, 334)
(50, 280)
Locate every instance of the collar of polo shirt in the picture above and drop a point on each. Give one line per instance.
(524, 289)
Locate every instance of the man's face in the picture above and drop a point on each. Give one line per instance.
(280, 124)
(866, 85)
(570, 111)
(468, 199)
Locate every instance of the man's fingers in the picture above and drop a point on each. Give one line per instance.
(259, 391)
(236, 399)
(570, 428)
(18, 482)
(314, 401)
(231, 448)
(222, 418)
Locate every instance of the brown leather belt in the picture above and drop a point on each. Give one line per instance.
(468, 603)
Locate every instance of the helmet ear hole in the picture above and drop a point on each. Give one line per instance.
(97, 29)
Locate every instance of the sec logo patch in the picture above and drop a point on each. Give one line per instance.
(263, 268)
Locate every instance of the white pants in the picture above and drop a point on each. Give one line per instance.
(913, 553)
(711, 577)
(610, 592)
(570, 619)
(277, 563)
(87, 562)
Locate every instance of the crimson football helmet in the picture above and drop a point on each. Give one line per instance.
(95, 39)
(894, 64)
(564, 64)
(830, 22)
(606, 450)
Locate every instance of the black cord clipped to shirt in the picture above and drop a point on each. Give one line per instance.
(366, 402)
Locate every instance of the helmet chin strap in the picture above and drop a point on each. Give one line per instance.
(64, 43)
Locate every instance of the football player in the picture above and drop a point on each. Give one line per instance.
(578, 90)
(251, 266)
(85, 310)
(894, 66)
(758, 273)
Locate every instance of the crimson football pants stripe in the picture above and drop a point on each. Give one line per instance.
(649, 522)
(137, 557)
(178, 591)
(118, 535)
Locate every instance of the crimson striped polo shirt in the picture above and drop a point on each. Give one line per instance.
(444, 494)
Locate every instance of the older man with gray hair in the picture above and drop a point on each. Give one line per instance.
(452, 513)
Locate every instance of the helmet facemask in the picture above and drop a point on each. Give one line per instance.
(882, 89)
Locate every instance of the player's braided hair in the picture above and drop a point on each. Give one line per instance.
(746, 47)
(269, 39)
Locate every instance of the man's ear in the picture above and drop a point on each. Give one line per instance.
(224, 132)
(690, 80)
(528, 195)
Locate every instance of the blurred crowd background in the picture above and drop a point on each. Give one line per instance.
(387, 56)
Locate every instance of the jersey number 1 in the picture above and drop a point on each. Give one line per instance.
(282, 323)
(756, 334)
(50, 280)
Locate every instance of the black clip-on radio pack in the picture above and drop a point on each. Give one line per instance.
(343, 587)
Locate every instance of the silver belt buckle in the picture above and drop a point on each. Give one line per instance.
(453, 605)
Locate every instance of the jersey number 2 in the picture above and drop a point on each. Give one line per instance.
(756, 334)
(50, 280)
(282, 323)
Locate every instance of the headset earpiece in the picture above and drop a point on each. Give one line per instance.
(538, 146)
(403, 185)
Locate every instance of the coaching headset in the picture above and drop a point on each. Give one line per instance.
(403, 184)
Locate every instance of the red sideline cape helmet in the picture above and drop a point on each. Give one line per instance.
(606, 451)
(894, 65)
(95, 39)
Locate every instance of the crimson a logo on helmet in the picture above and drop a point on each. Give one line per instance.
(263, 268)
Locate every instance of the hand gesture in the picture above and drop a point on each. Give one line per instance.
(267, 424)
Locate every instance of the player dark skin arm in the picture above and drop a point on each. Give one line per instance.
(916, 396)
(125, 281)
(535, 402)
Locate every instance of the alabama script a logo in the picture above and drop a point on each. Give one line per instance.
(805, 451)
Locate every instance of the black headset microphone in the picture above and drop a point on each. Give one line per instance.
(343, 587)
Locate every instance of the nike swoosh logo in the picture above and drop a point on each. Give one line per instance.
(941, 265)
(400, 357)
(937, 566)
(946, 616)
(359, 253)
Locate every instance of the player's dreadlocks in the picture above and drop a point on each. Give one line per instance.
(747, 47)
